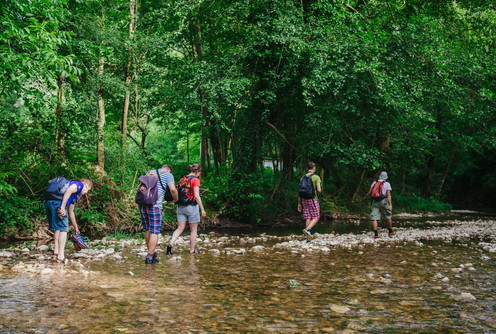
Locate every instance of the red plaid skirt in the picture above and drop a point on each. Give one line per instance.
(311, 208)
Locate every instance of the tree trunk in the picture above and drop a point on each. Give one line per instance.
(429, 177)
(125, 109)
(59, 134)
(445, 174)
(101, 119)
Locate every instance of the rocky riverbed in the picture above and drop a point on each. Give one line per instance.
(435, 276)
(477, 234)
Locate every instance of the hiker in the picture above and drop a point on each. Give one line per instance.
(308, 199)
(151, 215)
(189, 207)
(382, 204)
(60, 209)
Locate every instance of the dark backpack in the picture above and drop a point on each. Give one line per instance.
(376, 192)
(56, 188)
(184, 191)
(147, 193)
(167, 194)
(306, 187)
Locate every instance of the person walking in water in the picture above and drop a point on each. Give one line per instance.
(151, 215)
(59, 209)
(189, 207)
(382, 204)
(308, 199)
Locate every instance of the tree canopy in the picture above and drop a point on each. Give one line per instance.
(355, 86)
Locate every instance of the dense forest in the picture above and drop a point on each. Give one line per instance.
(252, 90)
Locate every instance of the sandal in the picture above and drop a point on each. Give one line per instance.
(64, 260)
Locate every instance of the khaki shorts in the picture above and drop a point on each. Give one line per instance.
(380, 207)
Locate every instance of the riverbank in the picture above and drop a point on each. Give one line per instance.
(476, 234)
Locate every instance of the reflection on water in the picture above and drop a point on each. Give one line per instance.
(387, 287)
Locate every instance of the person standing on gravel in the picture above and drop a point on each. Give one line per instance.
(59, 207)
(382, 204)
(308, 198)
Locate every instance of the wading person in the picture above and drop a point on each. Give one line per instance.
(382, 204)
(151, 214)
(308, 199)
(60, 199)
(189, 207)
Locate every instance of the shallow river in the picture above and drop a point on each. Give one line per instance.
(397, 285)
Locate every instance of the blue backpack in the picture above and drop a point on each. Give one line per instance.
(147, 193)
(306, 187)
(56, 188)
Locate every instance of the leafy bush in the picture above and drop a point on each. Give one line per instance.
(242, 198)
(18, 214)
(418, 204)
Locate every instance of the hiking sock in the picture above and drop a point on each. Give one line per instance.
(376, 233)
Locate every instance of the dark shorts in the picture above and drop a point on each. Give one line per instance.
(151, 218)
(311, 208)
(54, 221)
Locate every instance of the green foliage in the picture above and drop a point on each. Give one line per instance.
(355, 87)
(6, 189)
(418, 204)
(19, 214)
(245, 198)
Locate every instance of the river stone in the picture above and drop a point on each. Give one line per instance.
(214, 251)
(340, 309)
(81, 255)
(47, 271)
(42, 248)
(385, 280)
(6, 254)
(258, 248)
(238, 251)
(445, 279)
(378, 292)
(465, 296)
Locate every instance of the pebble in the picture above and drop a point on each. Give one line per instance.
(340, 309)
(47, 271)
(465, 296)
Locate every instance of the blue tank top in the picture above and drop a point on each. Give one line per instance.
(74, 197)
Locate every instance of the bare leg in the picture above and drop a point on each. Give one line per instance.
(390, 223)
(56, 235)
(177, 232)
(374, 225)
(310, 223)
(147, 237)
(193, 228)
(62, 238)
(152, 243)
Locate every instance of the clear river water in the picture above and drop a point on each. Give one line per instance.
(265, 281)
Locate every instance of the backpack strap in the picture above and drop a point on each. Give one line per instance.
(160, 180)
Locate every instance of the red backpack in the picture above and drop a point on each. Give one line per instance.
(376, 192)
